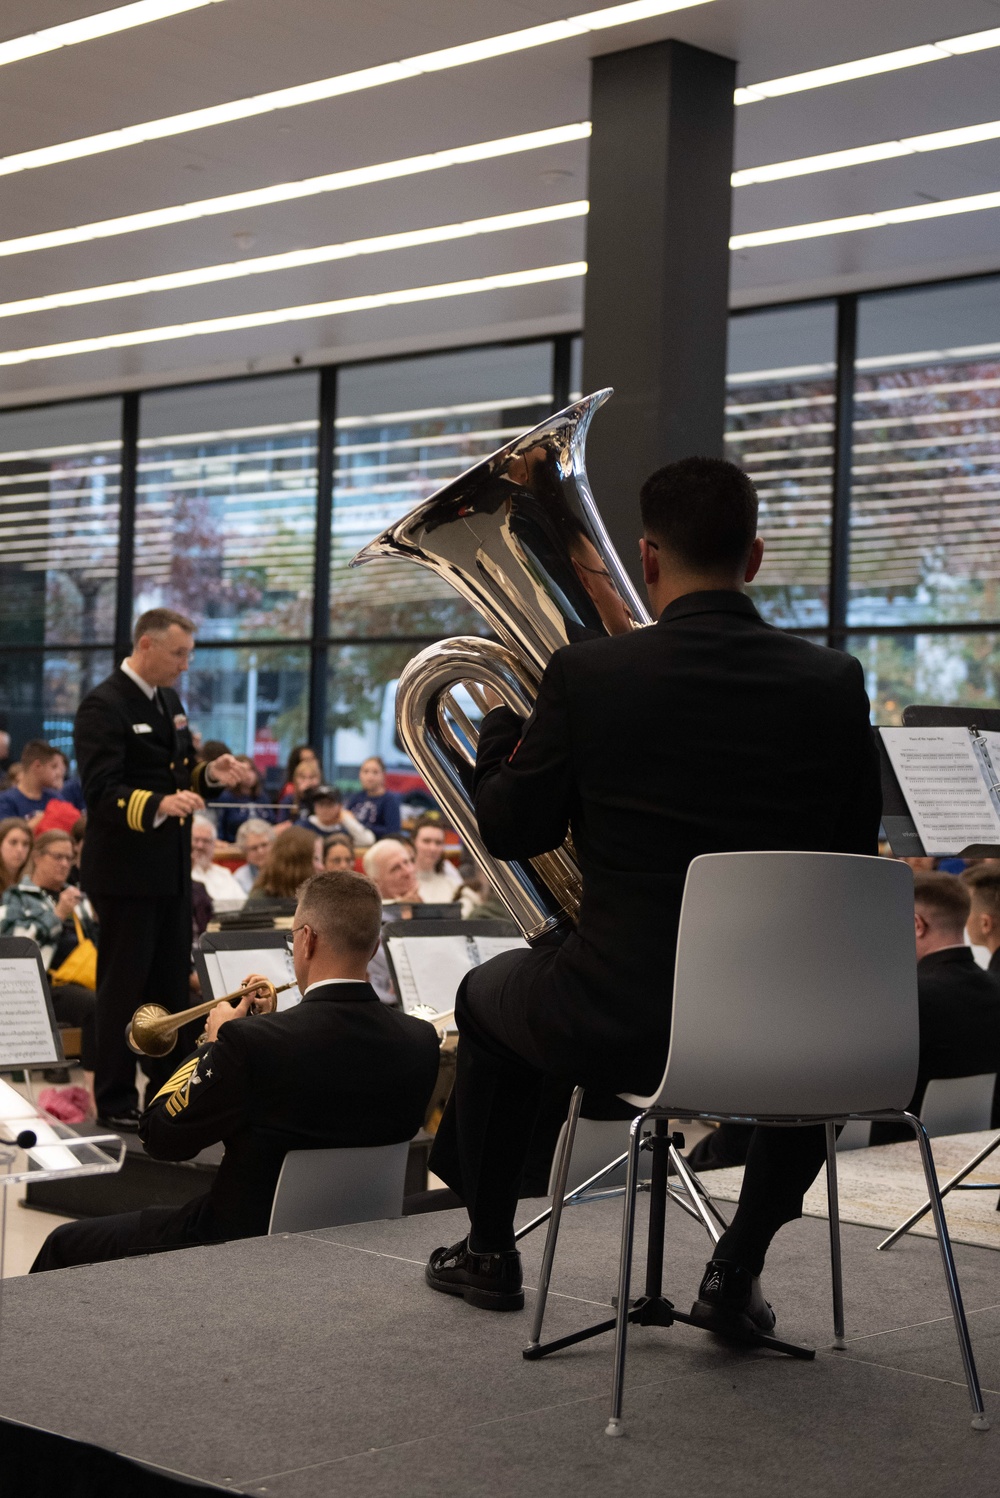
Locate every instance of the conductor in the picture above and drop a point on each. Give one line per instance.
(710, 731)
(141, 784)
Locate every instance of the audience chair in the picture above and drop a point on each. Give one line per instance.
(956, 1105)
(794, 1004)
(326, 1188)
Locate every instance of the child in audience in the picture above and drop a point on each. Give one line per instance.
(324, 812)
(374, 806)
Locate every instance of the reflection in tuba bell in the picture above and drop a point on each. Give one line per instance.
(520, 538)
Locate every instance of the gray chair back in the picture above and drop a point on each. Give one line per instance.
(795, 987)
(958, 1105)
(329, 1187)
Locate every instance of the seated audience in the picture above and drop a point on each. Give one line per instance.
(41, 777)
(12, 775)
(374, 806)
(983, 925)
(223, 889)
(298, 754)
(337, 1070)
(305, 777)
(16, 839)
(240, 805)
(391, 864)
(959, 1014)
(338, 853)
(69, 787)
(253, 840)
(77, 833)
(323, 811)
(212, 749)
(294, 857)
(59, 918)
(477, 898)
(437, 877)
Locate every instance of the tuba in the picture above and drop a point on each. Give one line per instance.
(520, 538)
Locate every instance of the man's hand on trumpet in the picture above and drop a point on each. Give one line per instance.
(224, 1011)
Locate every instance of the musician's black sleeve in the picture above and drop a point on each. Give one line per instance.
(206, 1099)
(522, 785)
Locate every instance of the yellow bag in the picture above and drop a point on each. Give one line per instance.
(80, 966)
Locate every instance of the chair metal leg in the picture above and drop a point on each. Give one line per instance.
(955, 1181)
(979, 1420)
(579, 1193)
(549, 1253)
(614, 1426)
(695, 1192)
(836, 1263)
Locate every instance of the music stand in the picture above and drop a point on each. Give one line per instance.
(266, 952)
(897, 821)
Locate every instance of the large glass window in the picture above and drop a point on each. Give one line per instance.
(226, 505)
(404, 429)
(779, 428)
(361, 711)
(925, 529)
(60, 470)
(957, 669)
(256, 700)
(40, 692)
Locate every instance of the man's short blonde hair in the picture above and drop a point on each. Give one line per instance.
(345, 911)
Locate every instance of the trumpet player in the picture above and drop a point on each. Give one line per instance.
(340, 1068)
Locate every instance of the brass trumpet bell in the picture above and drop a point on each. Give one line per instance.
(152, 1030)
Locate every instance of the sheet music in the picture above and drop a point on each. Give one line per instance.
(25, 1027)
(492, 946)
(429, 969)
(941, 777)
(272, 962)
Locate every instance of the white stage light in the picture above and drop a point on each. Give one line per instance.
(855, 222)
(869, 67)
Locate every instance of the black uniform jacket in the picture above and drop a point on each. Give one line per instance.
(131, 754)
(959, 1018)
(709, 731)
(338, 1069)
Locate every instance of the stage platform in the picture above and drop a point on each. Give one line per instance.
(319, 1364)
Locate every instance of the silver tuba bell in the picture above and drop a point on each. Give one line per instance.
(520, 538)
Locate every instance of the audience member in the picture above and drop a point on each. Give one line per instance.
(336, 1070)
(338, 853)
(983, 925)
(70, 788)
(16, 838)
(437, 877)
(324, 812)
(374, 806)
(305, 777)
(59, 918)
(477, 898)
(41, 775)
(299, 753)
(4, 748)
(959, 1014)
(253, 840)
(77, 833)
(238, 806)
(294, 857)
(212, 749)
(15, 771)
(392, 866)
(223, 889)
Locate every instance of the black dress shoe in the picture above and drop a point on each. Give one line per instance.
(125, 1122)
(731, 1303)
(490, 1281)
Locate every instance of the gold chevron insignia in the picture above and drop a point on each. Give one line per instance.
(136, 807)
(180, 1077)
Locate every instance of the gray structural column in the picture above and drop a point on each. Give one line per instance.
(658, 268)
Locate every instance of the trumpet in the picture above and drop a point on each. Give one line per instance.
(152, 1030)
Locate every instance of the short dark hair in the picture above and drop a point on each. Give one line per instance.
(158, 621)
(703, 511)
(344, 909)
(945, 897)
(983, 884)
(37, 751)
(212, 749)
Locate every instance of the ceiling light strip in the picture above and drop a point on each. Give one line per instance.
(803, 166)
(278, 315)
(869, 67)
(914, 213)
(88, 28)
(295, 259)
(344, 83)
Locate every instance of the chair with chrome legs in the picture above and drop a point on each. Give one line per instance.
(794, 1004)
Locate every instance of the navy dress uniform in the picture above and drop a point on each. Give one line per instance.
(132, 751)
(339, 1069)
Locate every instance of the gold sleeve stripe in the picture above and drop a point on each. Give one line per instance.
(136, 807)
(179, 1078)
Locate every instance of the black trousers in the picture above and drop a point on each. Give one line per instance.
(483, 1139)
(95, 1240)
(144, 957)
(76, 1007)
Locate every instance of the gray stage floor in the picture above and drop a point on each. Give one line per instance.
(321, 1365)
